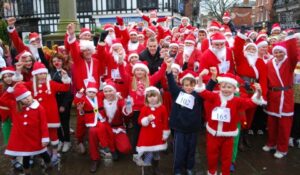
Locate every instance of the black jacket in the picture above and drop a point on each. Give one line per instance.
(154, 62)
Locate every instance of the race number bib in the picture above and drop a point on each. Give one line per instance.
(297, 79)
(221, 114)
(224, 67)
(186, 100)
(115, 74)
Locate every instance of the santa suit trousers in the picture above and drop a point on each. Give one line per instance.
(122, 143)
(53, 136)
(219, 146)
(279, 130)
(80, 127)
(101, 134)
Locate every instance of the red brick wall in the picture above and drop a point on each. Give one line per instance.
(242, 20)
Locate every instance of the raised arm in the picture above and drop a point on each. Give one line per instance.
(18, 43)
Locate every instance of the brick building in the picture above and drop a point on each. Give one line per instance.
(262, 14)
(241, 13)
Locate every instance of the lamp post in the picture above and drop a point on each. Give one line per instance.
(172, 12)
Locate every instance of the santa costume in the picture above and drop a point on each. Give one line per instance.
(221, 130)
(280, 97)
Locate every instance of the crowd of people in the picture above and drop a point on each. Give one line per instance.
(164, 84)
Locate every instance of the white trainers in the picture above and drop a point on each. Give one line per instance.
(279, 154)
(250, 132)
(66, 147)
(291, 142)
(267, 148)
(138, 160)
(298, 143)
(81, 148)
(60, 145)
(260, 132)
(72, 131)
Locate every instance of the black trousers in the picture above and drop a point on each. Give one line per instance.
(295, 133)
(260, 119)
(26, 159)
(135, 130)
(64, 130)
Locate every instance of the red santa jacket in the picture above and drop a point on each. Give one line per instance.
(18, 43)
(194, 60)
(81, 69)
(153, 134)
(137, 95)
(127, 45)
(280, 81)
(158, 20)
(4, 111)
(235, 104)
(29, 128)
(48, 99)
(93, 110)
(182, 28)
(257, 72)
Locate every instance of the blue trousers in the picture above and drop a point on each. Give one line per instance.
(184, 151)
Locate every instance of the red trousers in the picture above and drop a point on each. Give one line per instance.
(53, 136)
(122, 143)
(80, 128)
(219, 146)
(101, 134)
(279, 130)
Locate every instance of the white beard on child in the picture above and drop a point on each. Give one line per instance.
(116, 55)
(110, 109)
(188, 50)
(251, 57)
(230, 41)
(34, 51)
(109, 38)
(133, 46)
(220, 53)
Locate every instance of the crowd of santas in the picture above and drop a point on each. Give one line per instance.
(151, 80)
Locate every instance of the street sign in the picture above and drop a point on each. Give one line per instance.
(181, 7)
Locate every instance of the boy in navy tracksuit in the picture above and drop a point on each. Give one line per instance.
(185, 119)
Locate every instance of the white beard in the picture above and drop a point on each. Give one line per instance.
(230, 41)
(110, 38)
(110, 109)
(219, 53)
(251, 57)
(188, 50)
(34, 51)
(116, 55)
(132, 46)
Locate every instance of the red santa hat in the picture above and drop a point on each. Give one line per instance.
(141, 34)
(108, 27)
(176, 66)
(140, 65)
(275, 26)
(214, 25)
(251, 32)
(84, 31)
(131, 54)
(217, 37)
(250, 44)
(174, 44)
(85, 44)
(226, 15)
(92, 87)
(116, 42)
(20, 91)
(24, 53)
(39, 68)
(7, 70)
(151, 88)
(133, 32)
(203, 30)
(228, 78)
(190, 39)
(180, 43)
(261, 42)
(187, 74)
(153, 12)
(261, 34)
(187, 18)
(33, 36)
(167, 34)
(151, 29)
(280, 46)
(227, 31)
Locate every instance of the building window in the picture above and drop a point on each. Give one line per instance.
(84, 6)
(147, 4)
(116, 4)
(25, 7)
(51, 6)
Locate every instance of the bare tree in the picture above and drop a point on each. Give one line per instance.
(217, 7)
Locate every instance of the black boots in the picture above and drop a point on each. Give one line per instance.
(155, 167)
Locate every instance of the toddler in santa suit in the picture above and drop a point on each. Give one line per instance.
(29, 135)
(154, 129)
(221, 126)
(99, 130)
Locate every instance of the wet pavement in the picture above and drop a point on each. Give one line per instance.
(250, 162)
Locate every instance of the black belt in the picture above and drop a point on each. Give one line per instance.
(93, 111)
(119, 82)
(285, 88)
(248, 79)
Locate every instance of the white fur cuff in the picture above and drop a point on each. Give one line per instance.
(71, 39)
(166, 134)
(79, 95)
(45, 140)
(10, 30)
(10, 89)
(17, 77)
(260, 101)
(200, 89)
(289, 37)
(244, 37)
(66, 79)
(145, 121)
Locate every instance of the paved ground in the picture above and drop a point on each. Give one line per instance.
(252, 162)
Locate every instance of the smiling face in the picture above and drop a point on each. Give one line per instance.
(90, 94)
(27, 101)
(7, 78)
(279, 54)
(27, 61)
(152, 47)
(109, 93)
(57, 63)
(227, 89)
(251, 49)
(42, 77)
(139, 73)
(188, 85)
